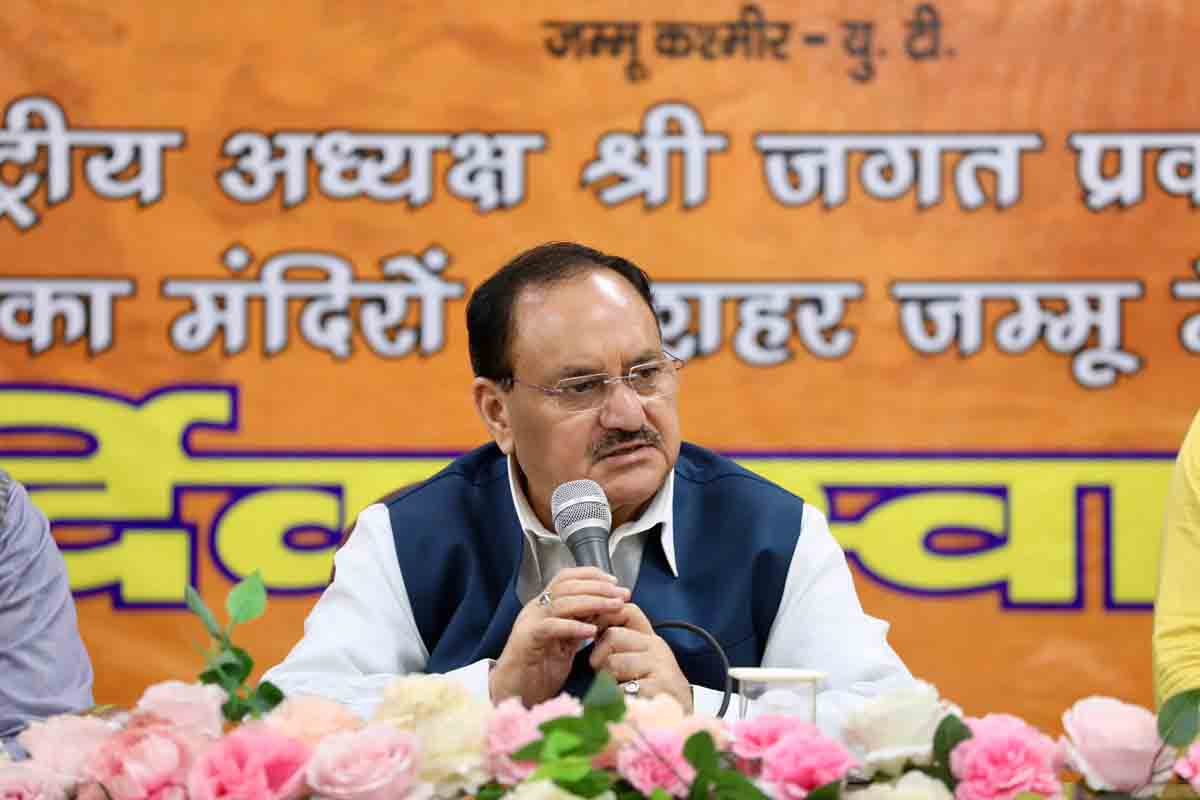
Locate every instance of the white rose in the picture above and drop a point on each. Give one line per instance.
(541, 790)
(913, 786)
(895, 729)
(451, 725)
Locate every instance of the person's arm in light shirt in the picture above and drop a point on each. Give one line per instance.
(1177, 607)
(362, 632)
(44, 667)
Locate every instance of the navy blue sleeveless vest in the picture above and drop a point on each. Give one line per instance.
(460, 545)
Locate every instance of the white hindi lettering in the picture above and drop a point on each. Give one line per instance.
(111, 153)
(799, 166)
(357, 165)
(767, 313)
(221, 306)
(258, 168)
(1176, 167)
(30, 307)
(1189, 331)
(936, 315)
(489, 169)
(643, 163)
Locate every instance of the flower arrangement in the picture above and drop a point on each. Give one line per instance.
(220, 739)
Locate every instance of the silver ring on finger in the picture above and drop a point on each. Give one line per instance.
(544, 600)
(631, 688)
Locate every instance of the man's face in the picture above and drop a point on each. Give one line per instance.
(594, 323)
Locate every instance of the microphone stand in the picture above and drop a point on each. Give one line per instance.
(712, 643)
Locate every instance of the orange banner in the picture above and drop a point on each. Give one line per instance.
(930, 264)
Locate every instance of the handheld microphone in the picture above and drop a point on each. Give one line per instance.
(583, 520)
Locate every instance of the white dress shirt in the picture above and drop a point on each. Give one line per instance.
(362, 632)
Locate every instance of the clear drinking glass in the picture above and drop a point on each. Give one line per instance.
(771, 690)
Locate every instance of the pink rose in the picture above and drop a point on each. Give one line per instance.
(377, 762)
(655, 761)
(753, 737)
(1004, 757)
(255, 762)
(196, 706)
(1113, 744)
(661, 712)
(29, 781)
(147, 761)
(803, 760)
(66, 743)
(512, 727)
(1188, 766)
(310, 718)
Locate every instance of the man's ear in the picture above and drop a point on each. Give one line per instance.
(491, 401)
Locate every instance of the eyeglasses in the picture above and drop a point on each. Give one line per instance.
(658, 378)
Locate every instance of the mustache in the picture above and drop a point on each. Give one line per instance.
(616, 439)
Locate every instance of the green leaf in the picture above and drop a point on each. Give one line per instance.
(949, 734)
(196, 604)
(560, 743)
(593, 784)
(210, 676)
(605, 699)
(270, 694)
(701, 786)
(660, 794)
(590, 729)
(222, 670)
(1035, 796)
(491, 791)
(701, 751)
(571, 768)
(241, 666)
(530, 752)
(255, 706)
(247, 600)
(229, 669)
(235, 709)
(1179, 718)
(733, 785)
(830, 791)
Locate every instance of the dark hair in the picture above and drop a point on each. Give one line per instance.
(490, 309)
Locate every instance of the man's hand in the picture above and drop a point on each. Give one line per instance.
(630, 650)
(537, 657)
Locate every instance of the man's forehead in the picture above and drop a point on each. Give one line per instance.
(594, 294)
(588, 319)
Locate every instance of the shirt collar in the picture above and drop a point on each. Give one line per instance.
(660, 511)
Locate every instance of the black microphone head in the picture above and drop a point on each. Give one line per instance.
(579, 504)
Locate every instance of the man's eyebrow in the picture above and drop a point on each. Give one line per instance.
(582, 370)
(577, 371)
(644, 357)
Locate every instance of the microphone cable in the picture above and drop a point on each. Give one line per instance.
(712, 643)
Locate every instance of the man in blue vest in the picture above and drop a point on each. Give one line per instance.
(461, 574)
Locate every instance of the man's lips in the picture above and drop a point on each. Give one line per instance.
(625, 449)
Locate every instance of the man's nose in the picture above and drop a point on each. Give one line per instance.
(622, 409)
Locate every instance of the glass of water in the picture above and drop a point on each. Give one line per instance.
(777, 690)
